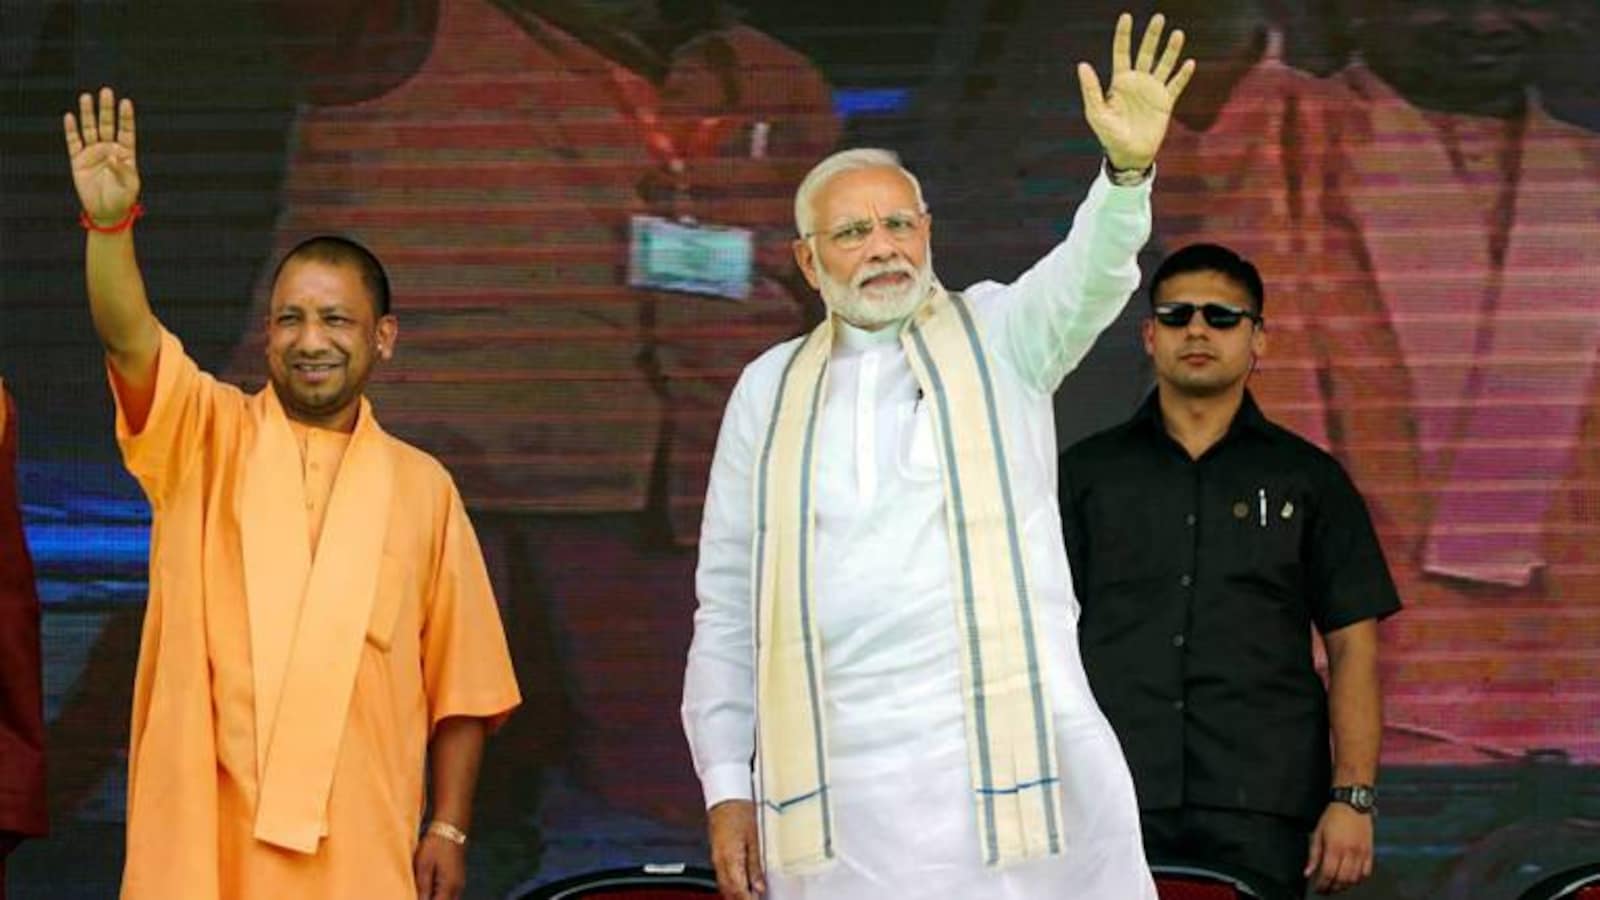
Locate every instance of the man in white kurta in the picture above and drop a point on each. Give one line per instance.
(884, 582)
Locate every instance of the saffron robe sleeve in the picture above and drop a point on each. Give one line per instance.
(22, 796)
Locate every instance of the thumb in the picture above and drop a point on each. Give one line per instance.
(1094, 97)
(424, 871)
(753, 865)
(1314, 858)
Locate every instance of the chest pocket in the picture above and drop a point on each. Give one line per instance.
(1269, 538)
(918, 451)
(394, 588)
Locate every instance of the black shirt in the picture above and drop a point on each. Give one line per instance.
(1200, 581)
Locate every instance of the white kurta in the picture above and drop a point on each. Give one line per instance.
(896, 734)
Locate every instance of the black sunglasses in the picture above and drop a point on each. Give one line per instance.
(1216, 315)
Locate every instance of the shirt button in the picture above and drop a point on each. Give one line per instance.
(1186, 580)
(1178, 640)
(1189, 520)
(1177, 705)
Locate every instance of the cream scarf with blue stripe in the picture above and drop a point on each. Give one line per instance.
(1010, 739)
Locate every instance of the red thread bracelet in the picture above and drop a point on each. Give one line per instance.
(134, 212)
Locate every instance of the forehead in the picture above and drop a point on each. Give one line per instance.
(1202, 286)
(319, 283)
(858, 193)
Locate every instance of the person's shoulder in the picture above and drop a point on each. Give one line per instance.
(415, 466)
(1546, 126)
(765, 371)
(747, 40)
(1306, 455)
(981, 293)
(1294, 442)
(1104, 446)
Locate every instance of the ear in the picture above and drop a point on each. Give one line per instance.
(1258, 340)
(388, 331)
(266, 335)
(1147, 331)
(807, 260)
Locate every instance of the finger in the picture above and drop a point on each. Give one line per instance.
(1094, 96)
(1121, 43)
(1314, 857)
(1327, 870)
(1344, 873)
(1169, 59)
(107, 126)
(1150, 41)
(125, 129)
(731, 876)
(427, 874)
(86, 118)
(74, 140)
(752, 863)
(1366, 865)
(120, 160)
(1181, 80)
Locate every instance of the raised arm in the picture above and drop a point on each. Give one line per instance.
(100, 144)
(1057, 309)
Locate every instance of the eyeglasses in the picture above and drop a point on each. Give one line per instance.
(851, 235)
(1217, 315)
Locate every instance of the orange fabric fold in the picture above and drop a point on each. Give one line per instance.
(308, 615)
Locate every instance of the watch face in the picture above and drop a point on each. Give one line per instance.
(1360, 797)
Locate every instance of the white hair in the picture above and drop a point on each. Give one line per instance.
(838, 164)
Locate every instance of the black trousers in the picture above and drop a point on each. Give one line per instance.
(1274, 848)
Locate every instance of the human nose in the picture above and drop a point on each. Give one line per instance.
(311, 337)
(880, 245)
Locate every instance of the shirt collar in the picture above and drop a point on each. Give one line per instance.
(855, 340)
(1247, 418)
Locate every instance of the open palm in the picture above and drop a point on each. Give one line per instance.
(1131, 120)
(101, 149)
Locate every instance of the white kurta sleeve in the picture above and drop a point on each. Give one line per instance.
(1048, 319)
(719, 683)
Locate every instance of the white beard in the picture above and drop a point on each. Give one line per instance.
(874, 308)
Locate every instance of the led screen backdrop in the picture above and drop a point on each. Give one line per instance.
(1419, 182)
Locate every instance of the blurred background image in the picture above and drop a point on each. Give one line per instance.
(1418, 180)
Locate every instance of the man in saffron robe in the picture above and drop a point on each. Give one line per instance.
(496, 171)
(320, 624)
(22, 803)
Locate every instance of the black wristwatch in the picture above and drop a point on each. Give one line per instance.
(1127, 177)
(1363, 798)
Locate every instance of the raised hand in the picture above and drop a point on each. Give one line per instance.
(102, 152)
(1131, 120)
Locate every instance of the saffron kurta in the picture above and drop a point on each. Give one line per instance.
(288, 683)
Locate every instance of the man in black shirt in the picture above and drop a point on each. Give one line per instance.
(1206, 542)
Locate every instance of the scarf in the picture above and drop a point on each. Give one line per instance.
(1010, 740)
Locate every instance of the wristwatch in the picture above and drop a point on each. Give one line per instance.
(1127, 177)
(1363, 798)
